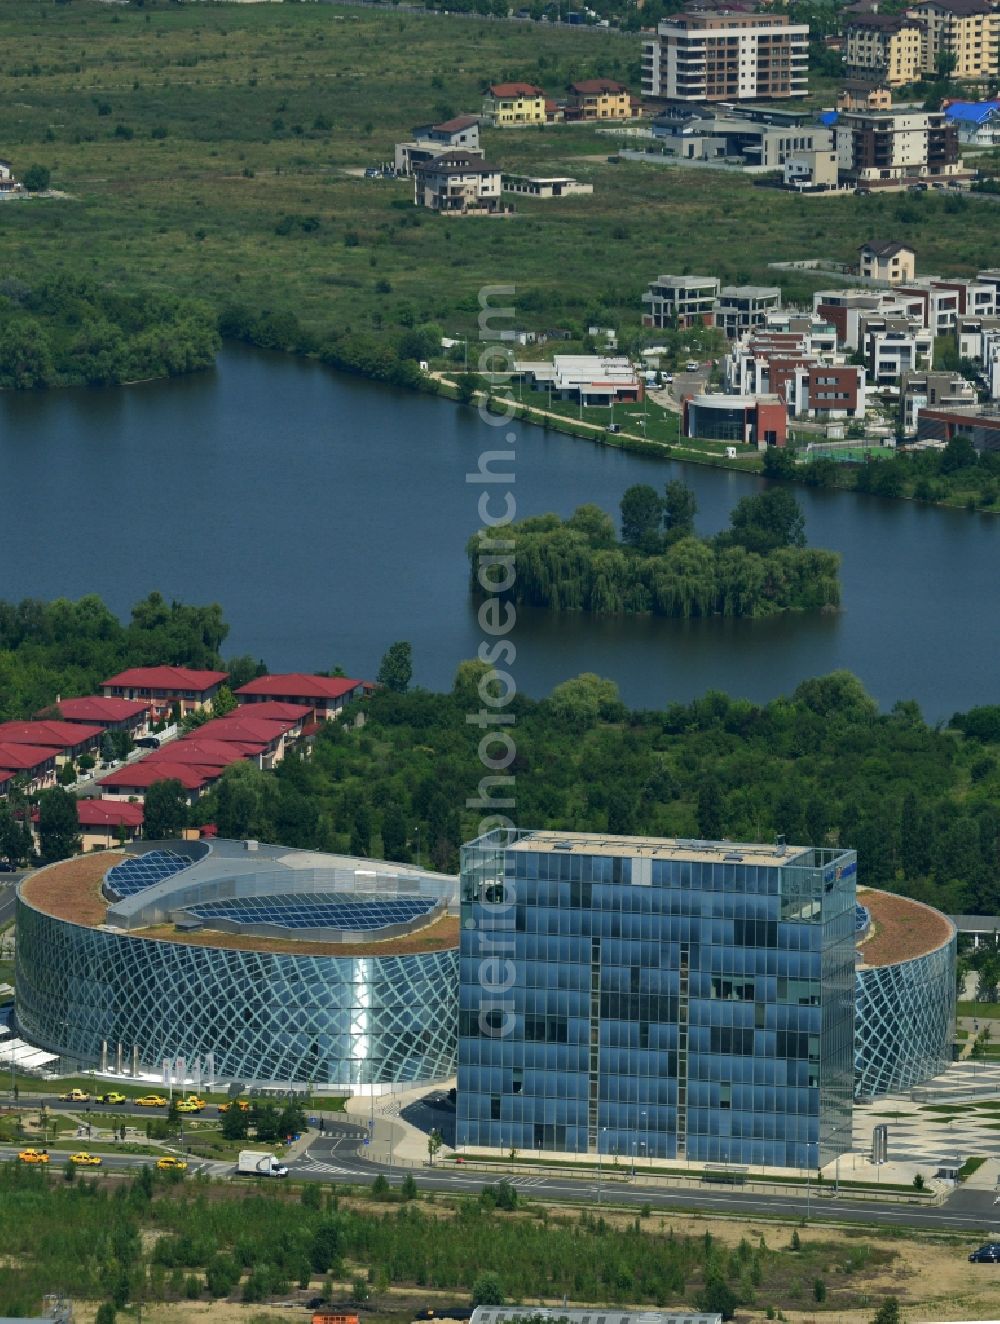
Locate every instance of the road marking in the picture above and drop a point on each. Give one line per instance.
(315, 1165)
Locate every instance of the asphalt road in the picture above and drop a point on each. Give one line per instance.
(339, 1156)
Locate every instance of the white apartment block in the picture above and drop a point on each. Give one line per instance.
(726, 57)
(892, 148)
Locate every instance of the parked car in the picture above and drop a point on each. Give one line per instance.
(170, 1164)
(74, 1096)
(83, 1160)
(242, 1104)
(6, 866)
(33, 1156)
(151, 1101)
(989, 1253)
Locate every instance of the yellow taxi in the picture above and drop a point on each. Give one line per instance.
(83, 1160)
(189, 1106)
(242, 1104)
(33, 1156)
(170, 1164)
(151, 1101)
(75, 1096)
(194, 1098)
(113, 1096)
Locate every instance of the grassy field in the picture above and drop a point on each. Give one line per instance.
(184, 134)
(981, 1011)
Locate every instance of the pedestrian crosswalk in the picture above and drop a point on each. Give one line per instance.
(325, 1169)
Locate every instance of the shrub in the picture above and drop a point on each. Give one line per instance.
(487, 1290)
(36, 178)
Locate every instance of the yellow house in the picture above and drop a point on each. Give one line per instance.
(599, 99)
(514, 103)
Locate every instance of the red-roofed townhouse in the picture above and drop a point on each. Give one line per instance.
(131, 715)
(243, 727)
(70, 738)
(135, 780)
(36, 763)
(204, 751)
(325, 696)
(164, 687)
(275, 710)
(107, 823)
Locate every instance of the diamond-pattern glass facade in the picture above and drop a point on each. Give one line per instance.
(265, 1016)
(905, 1022)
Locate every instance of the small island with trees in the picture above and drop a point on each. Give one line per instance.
(759, 566)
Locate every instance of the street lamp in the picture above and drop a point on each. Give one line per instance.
(603, 1132)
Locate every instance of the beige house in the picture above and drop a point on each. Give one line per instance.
(458, 184)
(862, 94)
(892, 263)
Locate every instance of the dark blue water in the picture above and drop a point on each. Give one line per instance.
(329, 517)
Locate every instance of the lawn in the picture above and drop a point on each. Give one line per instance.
(980, 1011)
(184, 134)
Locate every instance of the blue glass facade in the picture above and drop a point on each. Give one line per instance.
(689, 1001)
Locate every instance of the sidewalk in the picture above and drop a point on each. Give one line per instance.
(393, 1138)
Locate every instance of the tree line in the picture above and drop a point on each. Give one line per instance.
(821, 766)
(71, 331)
(956, 470)
(148, 1239)
(67, 648)
(759, 566)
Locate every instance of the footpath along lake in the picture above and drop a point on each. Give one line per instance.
(329, 517)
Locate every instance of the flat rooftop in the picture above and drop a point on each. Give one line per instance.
(657, 848)
(901, 929)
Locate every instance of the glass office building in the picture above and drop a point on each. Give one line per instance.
(666, 999)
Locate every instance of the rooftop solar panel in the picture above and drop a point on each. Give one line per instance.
(135, 875)
(294, 910)
(862, 918)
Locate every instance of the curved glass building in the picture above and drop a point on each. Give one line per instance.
(905, 995)
(274, 966)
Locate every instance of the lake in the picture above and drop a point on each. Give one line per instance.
(329, 517)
